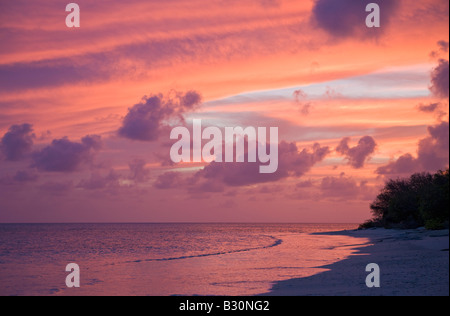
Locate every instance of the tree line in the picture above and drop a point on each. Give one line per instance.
(422, 200)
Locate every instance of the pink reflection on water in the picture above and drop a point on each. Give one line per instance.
(202, 260)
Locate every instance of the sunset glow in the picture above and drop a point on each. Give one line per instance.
(360, 105)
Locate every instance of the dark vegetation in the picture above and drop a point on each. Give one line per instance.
(421, 200)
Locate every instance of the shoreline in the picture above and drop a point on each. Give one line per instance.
(412, 262)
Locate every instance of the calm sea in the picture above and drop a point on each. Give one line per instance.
(163, 259)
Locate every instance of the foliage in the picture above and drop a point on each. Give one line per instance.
(421, 200)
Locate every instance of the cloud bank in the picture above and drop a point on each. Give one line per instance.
(346, 18)
(432, 154)
(63, 155)
(439, 79)
(146, 119)
(17, 142)
(291, 162)
(357, 155)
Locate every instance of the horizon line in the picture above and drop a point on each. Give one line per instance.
(181, 222)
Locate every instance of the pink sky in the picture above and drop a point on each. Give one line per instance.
(354, 106)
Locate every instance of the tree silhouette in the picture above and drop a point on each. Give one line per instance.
(420, 200)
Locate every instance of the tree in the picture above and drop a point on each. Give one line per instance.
(410, 203)
(434, 205)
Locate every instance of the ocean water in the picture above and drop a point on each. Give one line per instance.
(164, 259)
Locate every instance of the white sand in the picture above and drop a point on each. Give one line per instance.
(412, 263)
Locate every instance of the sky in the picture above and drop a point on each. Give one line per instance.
(86, 113)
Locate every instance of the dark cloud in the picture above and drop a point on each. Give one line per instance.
(405, 164)
(442, 48)
(439, 79)
(138, 171)
(189, 100)
(432, 154)
(93, 67)
(39, 74)
(347, 18)
(63, 155)
(17, 142)
(217, 176)
(152, 54)
(428, 108)
(234, 174)
(291, 162)
(433, 151)
(297, 163)
(145, 120)
(357, 155)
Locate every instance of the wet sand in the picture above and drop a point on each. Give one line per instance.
(412, 263)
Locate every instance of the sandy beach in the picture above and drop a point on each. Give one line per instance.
(412, 263)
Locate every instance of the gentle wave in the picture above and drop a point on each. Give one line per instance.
(276, 242)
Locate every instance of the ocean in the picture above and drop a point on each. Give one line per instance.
(164, 259)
